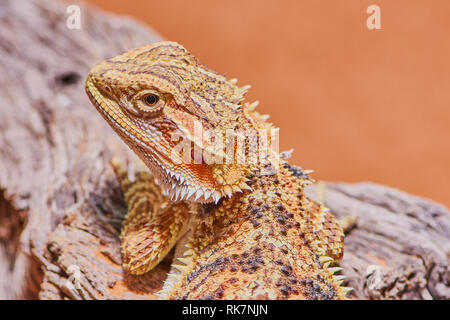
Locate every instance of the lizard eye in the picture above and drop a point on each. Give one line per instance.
(148, 104)
(151, 99)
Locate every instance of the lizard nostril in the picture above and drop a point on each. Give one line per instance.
(106, 90)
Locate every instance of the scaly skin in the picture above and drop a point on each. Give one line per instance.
(247, 231)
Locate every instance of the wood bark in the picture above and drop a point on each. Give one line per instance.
(61, 206)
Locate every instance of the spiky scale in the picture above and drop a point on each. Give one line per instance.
(334, 270)
(324, 259)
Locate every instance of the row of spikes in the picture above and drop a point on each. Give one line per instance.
(326, 261)
(176, 273)
(186, 192)
(241, 90)
(244, 89)
(250, 106)
(180, 191)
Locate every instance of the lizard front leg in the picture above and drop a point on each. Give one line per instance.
(152, 225)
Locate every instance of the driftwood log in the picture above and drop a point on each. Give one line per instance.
(61, 207)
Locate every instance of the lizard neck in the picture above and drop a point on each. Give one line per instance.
(259, 239)
(281, 190)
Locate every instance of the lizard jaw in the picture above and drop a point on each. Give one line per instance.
(178, 188)
(179, 185)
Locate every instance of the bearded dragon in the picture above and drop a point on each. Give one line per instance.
(242, 230)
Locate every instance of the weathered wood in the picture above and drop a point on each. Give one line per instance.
(400, 246)
(61, 207)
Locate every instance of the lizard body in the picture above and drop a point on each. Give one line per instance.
(247, 230)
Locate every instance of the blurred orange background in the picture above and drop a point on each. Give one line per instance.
(355, 104)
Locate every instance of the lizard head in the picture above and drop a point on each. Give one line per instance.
(161, 100)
